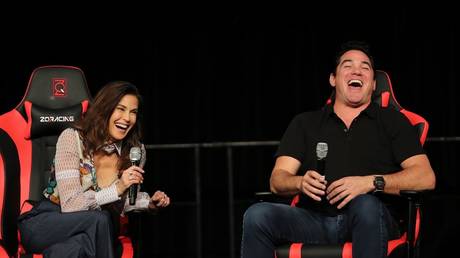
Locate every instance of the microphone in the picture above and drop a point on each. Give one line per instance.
(135, 157)
(321, 154)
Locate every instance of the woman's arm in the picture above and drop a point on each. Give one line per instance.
(71, 193)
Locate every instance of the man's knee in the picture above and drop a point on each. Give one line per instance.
(366, 207)
(257, 214)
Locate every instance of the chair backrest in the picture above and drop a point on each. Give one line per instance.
(384, 96)
(55, 97)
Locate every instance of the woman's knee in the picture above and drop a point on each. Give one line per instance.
(100, 218)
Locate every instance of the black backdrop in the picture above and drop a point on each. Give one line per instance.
(241, 77)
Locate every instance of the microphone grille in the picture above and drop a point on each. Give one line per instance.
(321, 150)
(135, 153)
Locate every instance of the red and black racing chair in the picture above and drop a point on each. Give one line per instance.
(407, 244)
(55, 97)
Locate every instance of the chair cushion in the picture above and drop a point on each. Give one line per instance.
(44, 121)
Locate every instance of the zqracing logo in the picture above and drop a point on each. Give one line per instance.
(59, 87)
(54, 119)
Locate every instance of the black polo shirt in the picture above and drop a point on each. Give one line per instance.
(377, 141)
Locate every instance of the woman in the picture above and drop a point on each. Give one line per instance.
(88, 189)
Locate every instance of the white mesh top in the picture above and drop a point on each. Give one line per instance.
(76, 179)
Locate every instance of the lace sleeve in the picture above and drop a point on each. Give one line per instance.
(67, 160)
(144, 156)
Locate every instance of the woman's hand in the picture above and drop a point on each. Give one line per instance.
(159, 200)
(131, 175)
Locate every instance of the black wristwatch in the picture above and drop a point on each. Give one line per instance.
(379, 184)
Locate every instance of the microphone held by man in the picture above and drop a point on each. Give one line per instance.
(321, 154)
(135, 155)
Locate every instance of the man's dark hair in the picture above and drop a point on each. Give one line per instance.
(353, 45)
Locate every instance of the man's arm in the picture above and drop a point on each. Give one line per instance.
(284, 180)
(416, 174)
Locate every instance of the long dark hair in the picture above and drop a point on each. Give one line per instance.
(93, 127)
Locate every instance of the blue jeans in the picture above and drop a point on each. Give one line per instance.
(45, 229)
(366, 220)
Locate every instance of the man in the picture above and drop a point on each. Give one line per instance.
(369, 149)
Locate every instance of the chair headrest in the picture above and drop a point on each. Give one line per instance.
(56, 87)
(56, 96)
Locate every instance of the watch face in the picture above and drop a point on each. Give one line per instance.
(379, 183)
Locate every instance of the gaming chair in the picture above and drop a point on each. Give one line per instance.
(55, 97)
(407, 244)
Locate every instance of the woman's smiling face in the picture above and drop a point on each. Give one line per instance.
(123, 117)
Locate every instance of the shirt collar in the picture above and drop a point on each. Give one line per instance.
(110, 148)
(370, 111)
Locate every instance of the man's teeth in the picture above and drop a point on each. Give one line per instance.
(356, 83)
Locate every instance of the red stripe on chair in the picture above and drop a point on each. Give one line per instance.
(417, 225)
(2, 188)
(3, 253)
(295, 200)
(128, 251)
(296, 250)
(84, 106)
(347, 250)
(391, 88)
(392, 244)
(10, 122)
(385, 99)
(26, 206)
(21, 250)
(416, 119)
(28, 107)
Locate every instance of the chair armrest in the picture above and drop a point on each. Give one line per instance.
(264, 196)
(271, 197)
(414, 199)
(411, 195)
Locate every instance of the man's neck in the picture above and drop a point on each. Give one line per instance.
(348, 113)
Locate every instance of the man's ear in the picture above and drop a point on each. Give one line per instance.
(374, 86)
(332, 80)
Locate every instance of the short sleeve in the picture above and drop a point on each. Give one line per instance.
(293, 141)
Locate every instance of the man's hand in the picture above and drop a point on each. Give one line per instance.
(347, 188)
(313, 184)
